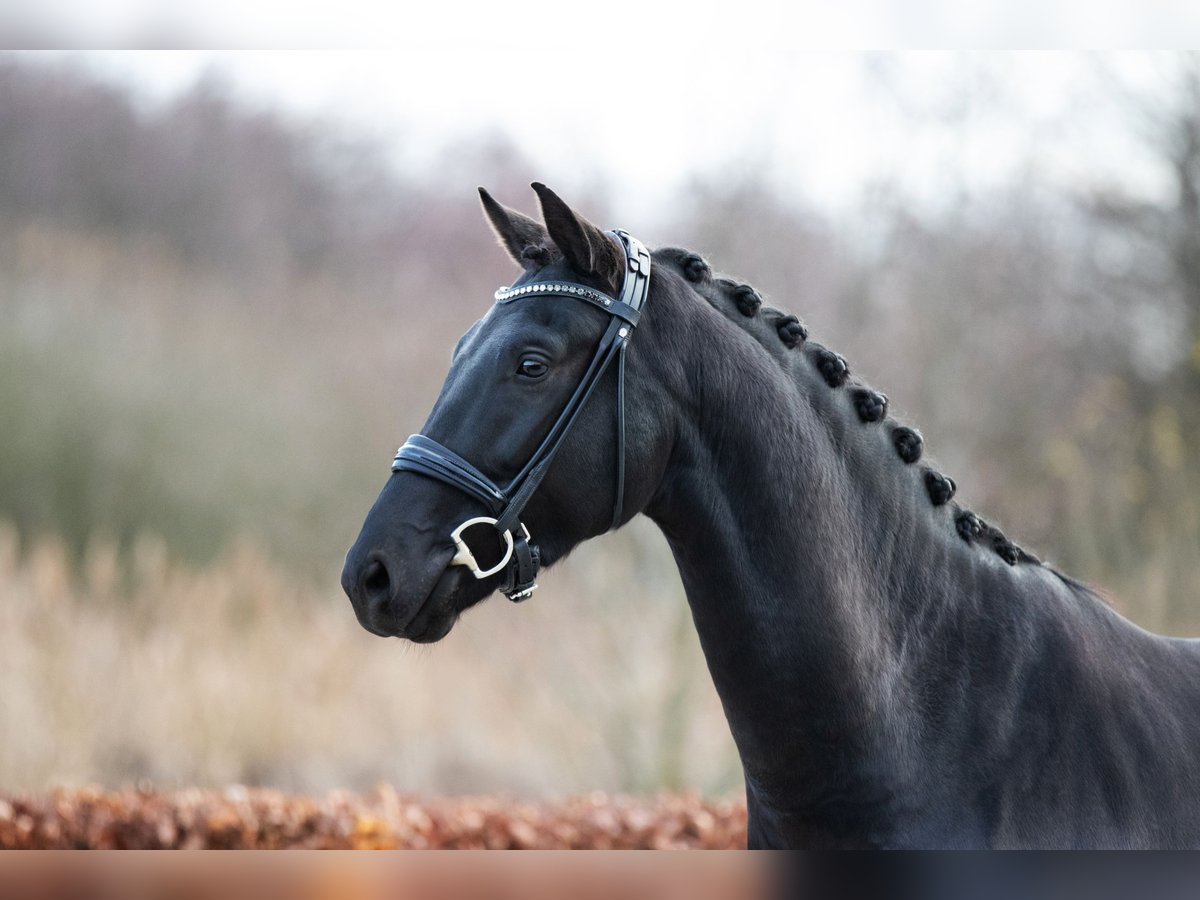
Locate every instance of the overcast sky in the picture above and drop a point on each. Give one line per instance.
(823, 124)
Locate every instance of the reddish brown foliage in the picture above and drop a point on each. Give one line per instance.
(245, 818)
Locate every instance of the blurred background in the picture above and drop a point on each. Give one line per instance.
(229, 288)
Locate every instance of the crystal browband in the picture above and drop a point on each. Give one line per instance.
(575, 292)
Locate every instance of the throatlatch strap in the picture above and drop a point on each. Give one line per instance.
(619, 503)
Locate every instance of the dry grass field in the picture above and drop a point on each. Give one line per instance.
(134, 668)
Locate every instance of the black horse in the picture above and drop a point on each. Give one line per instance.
(895, 671)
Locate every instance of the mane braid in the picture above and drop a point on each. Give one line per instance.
(785, 338)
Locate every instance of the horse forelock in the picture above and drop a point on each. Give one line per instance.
(542, 254)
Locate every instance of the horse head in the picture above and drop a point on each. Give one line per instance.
(510, 437)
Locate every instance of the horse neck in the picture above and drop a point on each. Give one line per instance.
(801, 542)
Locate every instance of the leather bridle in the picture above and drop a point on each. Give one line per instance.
(425, 456)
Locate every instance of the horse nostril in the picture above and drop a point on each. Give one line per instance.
(375, 580)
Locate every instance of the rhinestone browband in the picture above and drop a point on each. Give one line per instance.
(553, 287)
(575, 292)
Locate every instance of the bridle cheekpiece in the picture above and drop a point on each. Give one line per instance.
(520, 558)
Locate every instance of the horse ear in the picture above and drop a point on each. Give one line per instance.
(588, 249)
(524, 238)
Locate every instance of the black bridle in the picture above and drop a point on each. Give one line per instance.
(520, 559)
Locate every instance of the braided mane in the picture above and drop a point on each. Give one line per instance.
(785, 338)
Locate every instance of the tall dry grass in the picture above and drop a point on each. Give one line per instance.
(135, 667)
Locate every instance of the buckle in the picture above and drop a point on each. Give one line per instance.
(519, 596)
(464, 556)
(520, 582)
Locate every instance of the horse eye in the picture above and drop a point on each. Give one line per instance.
(532, 368)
